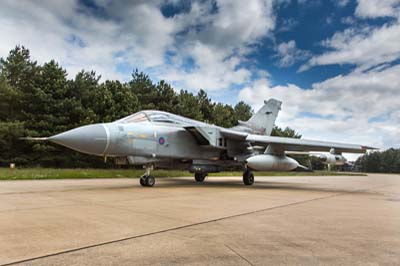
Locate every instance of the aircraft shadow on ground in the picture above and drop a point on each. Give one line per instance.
(258, 185)
(233, 184)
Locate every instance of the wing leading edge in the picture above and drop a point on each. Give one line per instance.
(291, 144)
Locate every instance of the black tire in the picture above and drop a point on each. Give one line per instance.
(199, 177)
(248, 178)
(143, 181)
(150, 181)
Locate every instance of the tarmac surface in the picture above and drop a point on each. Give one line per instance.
(327, 220)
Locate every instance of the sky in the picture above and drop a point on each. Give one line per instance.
(335, 64)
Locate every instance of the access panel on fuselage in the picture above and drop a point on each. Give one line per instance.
(143, 140)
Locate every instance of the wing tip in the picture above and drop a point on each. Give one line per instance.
(365, 148)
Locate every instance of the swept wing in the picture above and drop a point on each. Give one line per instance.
(292, 144)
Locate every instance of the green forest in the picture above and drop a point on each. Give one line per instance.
(387, 161)
(41, 100)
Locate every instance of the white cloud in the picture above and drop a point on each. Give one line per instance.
(378, 8)
(237, 23)
(343, 3)
(365, 47)
(348, 20)
(48, 29)
(213, 70)
(357, 108)
(219, 48)
(288, 53)
(215, 36)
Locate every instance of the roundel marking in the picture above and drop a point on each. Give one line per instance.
(161, 140)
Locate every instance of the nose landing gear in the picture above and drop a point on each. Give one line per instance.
(147, 180)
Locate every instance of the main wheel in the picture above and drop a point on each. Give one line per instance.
(150, 181)
(248, 178)
(199, 177)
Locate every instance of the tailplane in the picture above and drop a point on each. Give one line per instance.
(263, 121)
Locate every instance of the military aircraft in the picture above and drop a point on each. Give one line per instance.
(160, 139)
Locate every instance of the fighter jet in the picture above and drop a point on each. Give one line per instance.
(329, 159)
(164, 140)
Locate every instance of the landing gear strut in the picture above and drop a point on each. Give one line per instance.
(147, 180)
(199, 177)
(248, 177)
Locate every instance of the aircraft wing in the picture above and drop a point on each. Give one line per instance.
(292, 144)
(232, 134)
(209, 135)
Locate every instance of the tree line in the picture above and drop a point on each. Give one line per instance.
(387, 161)
(40, 100)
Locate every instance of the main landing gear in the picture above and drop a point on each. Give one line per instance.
(248, 177)
(199, 177)
(147, 180)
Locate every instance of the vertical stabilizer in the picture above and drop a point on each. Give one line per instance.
(263, 121)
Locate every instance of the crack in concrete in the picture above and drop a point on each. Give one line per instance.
(237, 253)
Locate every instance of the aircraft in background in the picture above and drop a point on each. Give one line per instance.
(164, 140)
(329, 159)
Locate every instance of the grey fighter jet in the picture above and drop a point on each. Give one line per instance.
(164, 140)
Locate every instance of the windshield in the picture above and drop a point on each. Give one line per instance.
(161, 117)
(135, 118)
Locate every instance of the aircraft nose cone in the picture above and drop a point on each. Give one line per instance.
(91, 139)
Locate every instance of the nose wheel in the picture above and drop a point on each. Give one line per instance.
(147, 180)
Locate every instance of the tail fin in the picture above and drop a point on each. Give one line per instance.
(263, 121)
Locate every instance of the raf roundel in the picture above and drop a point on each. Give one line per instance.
(161, 140)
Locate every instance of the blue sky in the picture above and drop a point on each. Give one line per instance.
(334, 64)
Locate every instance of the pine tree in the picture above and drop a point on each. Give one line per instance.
(206, 106)
(145, 91)
(188, 106)
(167, 98)
(243, 111)
(224, 115)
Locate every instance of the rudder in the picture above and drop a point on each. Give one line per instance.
(263, 121)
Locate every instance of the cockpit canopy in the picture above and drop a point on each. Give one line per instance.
(157, 117)
(135, 118)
